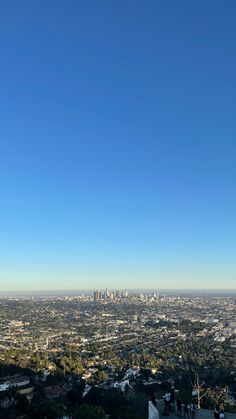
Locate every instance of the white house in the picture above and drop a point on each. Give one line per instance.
(14, 382)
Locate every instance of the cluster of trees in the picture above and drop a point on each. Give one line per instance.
(215, 366)
(66, 363)
(93, 406)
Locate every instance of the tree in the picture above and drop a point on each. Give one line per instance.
(22, 404)
(75, 395)
(198, 389)
(89, 412)
(47, 409)
(100, 377)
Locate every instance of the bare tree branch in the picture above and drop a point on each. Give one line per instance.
(198, 388)
(204, 394)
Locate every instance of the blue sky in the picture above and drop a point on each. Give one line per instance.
(117, 144)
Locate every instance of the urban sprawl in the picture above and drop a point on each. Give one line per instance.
(64, 354)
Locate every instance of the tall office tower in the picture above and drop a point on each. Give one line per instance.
(126, 294)
(106, 294)
(97, 295)
(117, 294)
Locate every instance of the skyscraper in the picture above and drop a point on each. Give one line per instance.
(97, 295)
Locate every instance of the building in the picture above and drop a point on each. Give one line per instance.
(14, 382)
(97, 295)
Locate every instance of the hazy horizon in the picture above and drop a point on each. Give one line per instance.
(79, 291)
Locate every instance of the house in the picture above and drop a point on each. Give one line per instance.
(14, 382)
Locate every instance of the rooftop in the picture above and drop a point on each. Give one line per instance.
(200, 414)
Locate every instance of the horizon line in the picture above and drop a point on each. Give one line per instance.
(117, 288)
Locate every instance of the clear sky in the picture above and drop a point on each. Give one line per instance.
(117, 144)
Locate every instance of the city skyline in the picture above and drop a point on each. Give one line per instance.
(131, 291)
(117, 145)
